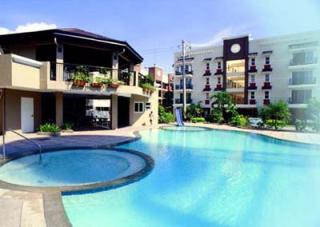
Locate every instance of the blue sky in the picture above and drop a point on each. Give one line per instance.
(156, 27)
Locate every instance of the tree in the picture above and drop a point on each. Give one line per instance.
(313, 111)
(164, 115)
(223, 106)
(194, 110)
(276, 115)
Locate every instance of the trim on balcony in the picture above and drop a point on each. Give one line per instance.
(25, 61)
(266, 86)
(252, 86)
(267, 68)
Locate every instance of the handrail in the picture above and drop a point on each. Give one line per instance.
(33, 142)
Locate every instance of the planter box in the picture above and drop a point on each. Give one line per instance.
(114, 86)
(79, 83)
(96, 85)
(49, 133)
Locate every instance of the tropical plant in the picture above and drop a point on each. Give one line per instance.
(300, 125)
(198, 120)
(223, 102)
(313, 111)
(216, 116)
(148, 87)
(49, 127)
(276, 115)
(194, 110)
(239, 120)
(67, 126)
(81, 74)
(165, 116)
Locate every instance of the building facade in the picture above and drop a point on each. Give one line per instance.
(255, 72)
(36, 85)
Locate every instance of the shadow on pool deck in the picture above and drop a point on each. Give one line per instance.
(23, 147)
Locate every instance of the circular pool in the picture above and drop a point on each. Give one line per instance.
(72, 167)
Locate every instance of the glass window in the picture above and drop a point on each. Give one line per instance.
(252, 95)
(266, 94)
(219, 65)
(267, 78)
(219, 80)
(208, 81)
(139, 107)
(252, 78)
(208, 66)
(267, 60)
(207, 95)
(253, 61)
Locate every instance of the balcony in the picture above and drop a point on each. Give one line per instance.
(180, 86)
(218, 72)
(218, 87)
(207, 88)
(298, 102)
(252, 102)
(187, 74)
(252, 69)
(267, 68)
(180, 101)
(310, 82)
(252, 86)
(303, 62)
(266, 102)
(207, 102)
(266, 86)
(207, 73)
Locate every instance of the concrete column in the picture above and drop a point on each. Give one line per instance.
(114, 113)
(59, 109)
(131, 70)
(115, 66)
(59, 61)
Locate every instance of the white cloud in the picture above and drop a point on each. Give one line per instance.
(219, 36)
(28, 28)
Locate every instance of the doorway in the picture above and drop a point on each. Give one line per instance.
(27, 114)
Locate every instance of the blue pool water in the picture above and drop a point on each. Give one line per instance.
(211, 178)
(71, 167)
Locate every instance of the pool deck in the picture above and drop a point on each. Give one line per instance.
(24, 208)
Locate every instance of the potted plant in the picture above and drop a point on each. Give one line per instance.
(80, 77)
(115, 84)
(49, 129)
(97, 82)
(148, 88)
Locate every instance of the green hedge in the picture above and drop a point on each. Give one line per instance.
(48, 127)
(198, 119)
(239, 120)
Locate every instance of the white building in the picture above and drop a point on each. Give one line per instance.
(254, 72)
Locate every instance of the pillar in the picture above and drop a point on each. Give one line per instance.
(115, 66)
(59, 109)
(59, 62)
(114, 111)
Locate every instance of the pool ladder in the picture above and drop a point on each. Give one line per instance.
(26, 138)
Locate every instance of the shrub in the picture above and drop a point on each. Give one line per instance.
(276, 115)
(198, 120)
(67, 126)
(300, 125)
(148, 87)
(165, 116)
(276, 124)
(239, 120)
(216, 116)
(48, 127)
(314, 114)
(193, 111)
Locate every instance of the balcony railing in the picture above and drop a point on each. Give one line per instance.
(180, 86)
(207, 102)
(266, 102)
(303, 62)
(179, 73)
(65, 72)
(218, 87)
(218, 72)
(266, 86)
(310, 81)
(180, 101)
(252, 69)
(252, 86)
(207, 88)
(298, 100)
(267, 68)
(252, 102)
(207, 73)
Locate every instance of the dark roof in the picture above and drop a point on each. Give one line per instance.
(267, 52)
(69, 32)
(253, 53)
(207, 59)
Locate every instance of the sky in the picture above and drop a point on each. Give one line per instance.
(155, 28)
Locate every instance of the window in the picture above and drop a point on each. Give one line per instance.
(253, 61)
(208, 81)
(219, 80)
(268, 60)
(208, 66)
(207, 95)
(219, 65)
(267, 78)
(139, 107)
(266, 94)
(148, 105)
(252, 79)
(252, 95)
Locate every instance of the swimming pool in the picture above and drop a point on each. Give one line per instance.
(211, 178)
(71, 167)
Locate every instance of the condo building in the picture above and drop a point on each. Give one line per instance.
(37, 82)
(254, 72)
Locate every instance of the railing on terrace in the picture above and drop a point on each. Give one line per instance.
(294, 62)
(67, 70)
(307, 81)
